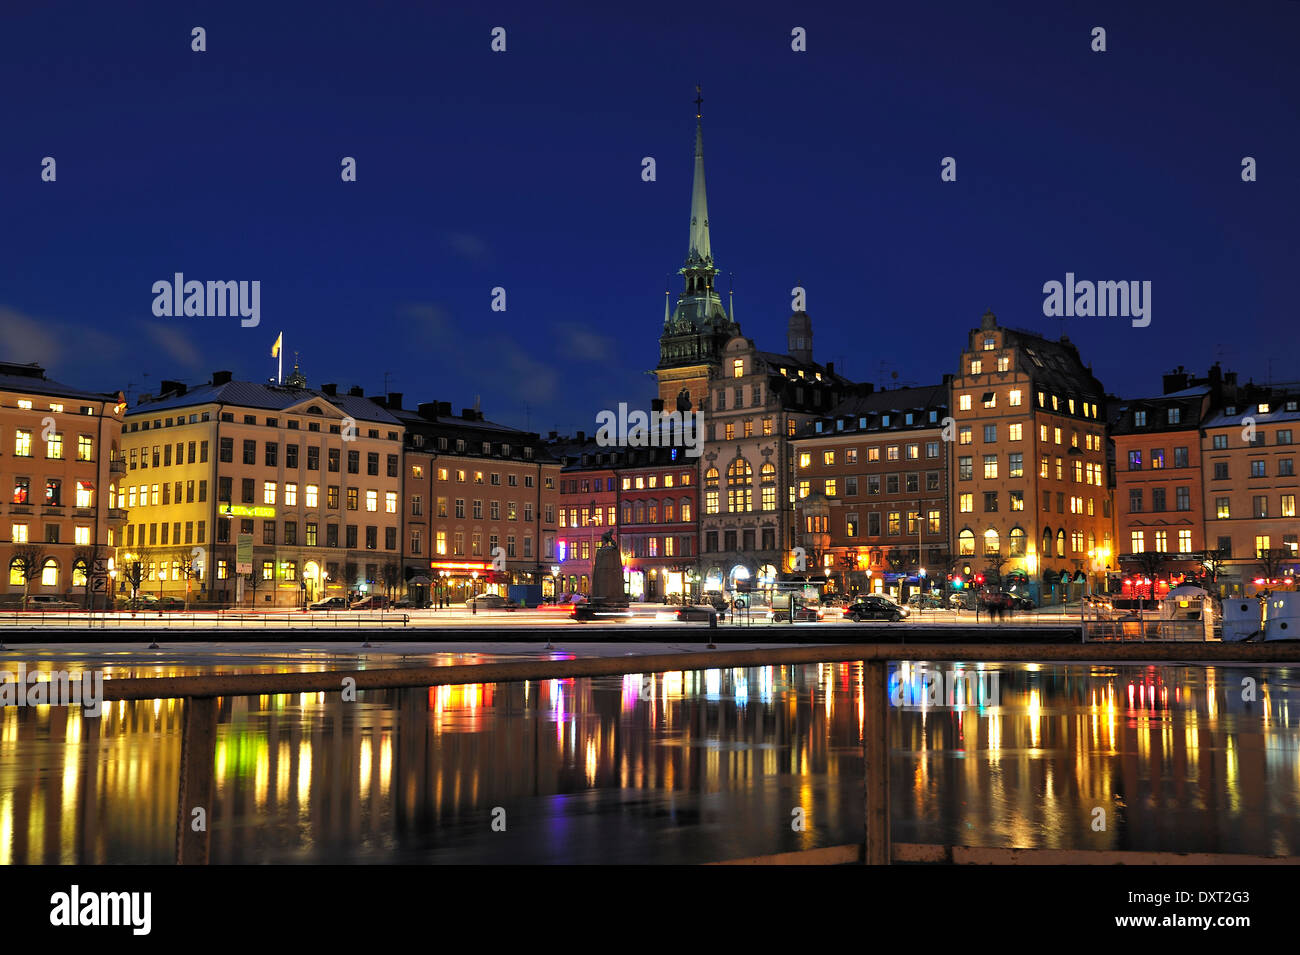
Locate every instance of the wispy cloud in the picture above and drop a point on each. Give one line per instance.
(579, 342)
(173, 342)
(27, 339)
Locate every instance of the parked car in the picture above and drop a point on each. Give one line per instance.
(702, 612)
(835, 600)
(875, 607)
(50, 602)
(962, 600)
(926, 601)
(156, 603)
(489, 602)
(804, 611)
(1023, 602)
(329, 603)
(370, 602)
(997, 600)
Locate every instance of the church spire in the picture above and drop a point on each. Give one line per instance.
(699, 253)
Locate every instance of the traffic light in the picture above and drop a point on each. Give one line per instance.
(979, 578)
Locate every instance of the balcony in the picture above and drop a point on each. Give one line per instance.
(117, 515)
(117, 466)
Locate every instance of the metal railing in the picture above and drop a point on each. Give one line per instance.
(199, 728)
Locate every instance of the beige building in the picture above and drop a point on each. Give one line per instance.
(312, 480)
(58, 465)
(1029, 475)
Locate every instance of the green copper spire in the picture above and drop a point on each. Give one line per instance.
(696, 331)
(699, 252)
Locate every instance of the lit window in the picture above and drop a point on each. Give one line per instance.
(268, 492)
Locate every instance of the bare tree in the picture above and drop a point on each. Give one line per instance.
(85, 557)
(392, 575)
(28, 560)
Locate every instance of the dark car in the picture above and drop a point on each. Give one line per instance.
(329, 603)
(875, 607)
(370, 602)
(997, 600)
(1023, 602)
(962, 600)
(926, 601)
(489, 602)
(697, 612)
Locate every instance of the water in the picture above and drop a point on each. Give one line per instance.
(676, 767)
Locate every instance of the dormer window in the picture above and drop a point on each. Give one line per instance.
(1263, 408)
(990, 344)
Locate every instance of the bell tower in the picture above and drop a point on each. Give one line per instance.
(694, 333)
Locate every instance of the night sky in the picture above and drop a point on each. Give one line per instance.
(523, 170)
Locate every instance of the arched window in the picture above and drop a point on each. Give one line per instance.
(1047, 542)
(966, 542)
(16, 571)
(685, 510)
(711, 491)
(1016, 542)
(1060, 543)
(50, 573)
(992, 545)
(740, 487)
(80, 572)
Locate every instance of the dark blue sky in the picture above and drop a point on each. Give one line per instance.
(522, 170)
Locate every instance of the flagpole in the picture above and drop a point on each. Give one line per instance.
(279, 354)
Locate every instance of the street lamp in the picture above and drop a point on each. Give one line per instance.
(473, 602)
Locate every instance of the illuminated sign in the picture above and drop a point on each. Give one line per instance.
(239, 510)
(462, 565)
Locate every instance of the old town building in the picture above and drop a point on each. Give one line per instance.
(60, 467)
(1159, 495)
(1249, 453)
(1028, 469)
(480, 506)
(265, 495)
(872, 482)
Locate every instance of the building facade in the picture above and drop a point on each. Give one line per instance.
(872, 490)
(657, 529)
(261, 495)
(1029, 478)
(60, 465)
(481, 505)
(1249, 454)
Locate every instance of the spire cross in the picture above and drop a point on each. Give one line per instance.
(699, 100)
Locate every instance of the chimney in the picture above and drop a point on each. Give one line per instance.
(394, 400)
(582, 437)
(331, 389)
(171, 387)
(356, 391)
(1176, 380)
(427, 409)
(830, 369)
(444, 409)
(221, 377)
(467, 414)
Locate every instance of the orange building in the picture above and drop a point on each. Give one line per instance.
(1029, 468)
(1159, 495)
(59, 467)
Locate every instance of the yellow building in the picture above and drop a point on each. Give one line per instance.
(57, 464)
(308, 481)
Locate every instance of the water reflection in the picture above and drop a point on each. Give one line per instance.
(677, 767)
